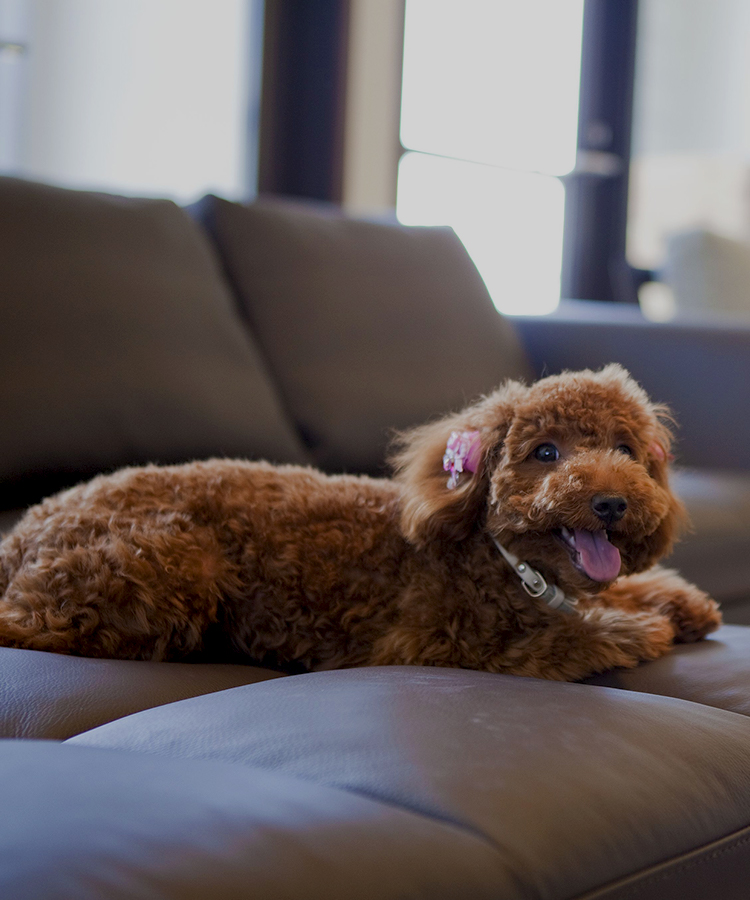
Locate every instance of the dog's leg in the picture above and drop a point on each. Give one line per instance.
(567, 647)
(581, 644)
(109, 629)
(113, 600)
(692, 612)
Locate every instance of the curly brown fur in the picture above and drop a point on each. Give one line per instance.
(289, 566)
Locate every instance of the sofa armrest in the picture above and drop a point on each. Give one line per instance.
(700, 370)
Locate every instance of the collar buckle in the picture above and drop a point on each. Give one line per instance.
(536, 588)
(534, 583)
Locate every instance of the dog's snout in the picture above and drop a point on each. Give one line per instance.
(608, 508)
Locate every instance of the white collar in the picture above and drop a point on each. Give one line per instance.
(534, 582)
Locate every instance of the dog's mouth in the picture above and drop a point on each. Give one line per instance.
(591, 553)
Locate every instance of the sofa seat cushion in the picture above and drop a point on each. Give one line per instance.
(82, 824)
(714, 672)
(119, 343)
(580, 788)
(49, 695)
(716, 553)
(366, 327)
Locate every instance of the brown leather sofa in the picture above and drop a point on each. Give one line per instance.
(133, 330)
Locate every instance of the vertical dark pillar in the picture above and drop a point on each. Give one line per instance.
(596, 209)
(303, 95)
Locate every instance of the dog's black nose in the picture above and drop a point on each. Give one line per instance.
(609, 509)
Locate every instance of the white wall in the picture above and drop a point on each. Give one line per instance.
(13, 70)
(138, 96)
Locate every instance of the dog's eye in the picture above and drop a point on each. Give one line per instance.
(628, 451)
(546, 453)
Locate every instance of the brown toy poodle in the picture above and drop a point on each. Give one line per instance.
(519, 536)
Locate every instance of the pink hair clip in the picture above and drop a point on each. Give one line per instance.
(462, 453)
(657, 450)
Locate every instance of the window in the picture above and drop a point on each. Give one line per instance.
(689, 206)
(489, 120)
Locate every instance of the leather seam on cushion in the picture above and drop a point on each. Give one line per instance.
(394, 803)
(507, 859)
(433, 815)
(504, 854)
(645, 882)
(512, 866)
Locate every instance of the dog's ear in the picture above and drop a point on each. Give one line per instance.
(660, 543)
(660, 445)
(431, 506)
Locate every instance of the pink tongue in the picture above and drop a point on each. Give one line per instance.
(600, 559)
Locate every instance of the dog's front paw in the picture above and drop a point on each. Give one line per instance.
(627, 639)
(691, 611)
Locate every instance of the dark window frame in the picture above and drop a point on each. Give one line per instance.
(595, 265)
(303, 96)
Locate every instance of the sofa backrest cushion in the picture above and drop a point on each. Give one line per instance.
(119, 343)
(366, 327)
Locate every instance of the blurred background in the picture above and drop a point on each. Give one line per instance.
(592, 149)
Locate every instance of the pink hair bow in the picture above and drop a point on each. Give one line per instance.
(462, 454)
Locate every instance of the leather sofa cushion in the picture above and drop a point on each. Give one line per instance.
(366, 327)
(82, 824)
(119, 343)
(714, 672)
(715, 554)
(52, 696)
(577, 786)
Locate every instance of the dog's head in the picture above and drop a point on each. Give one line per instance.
(570, 474)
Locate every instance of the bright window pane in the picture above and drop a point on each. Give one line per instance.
(494, 81)
(510, 222)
